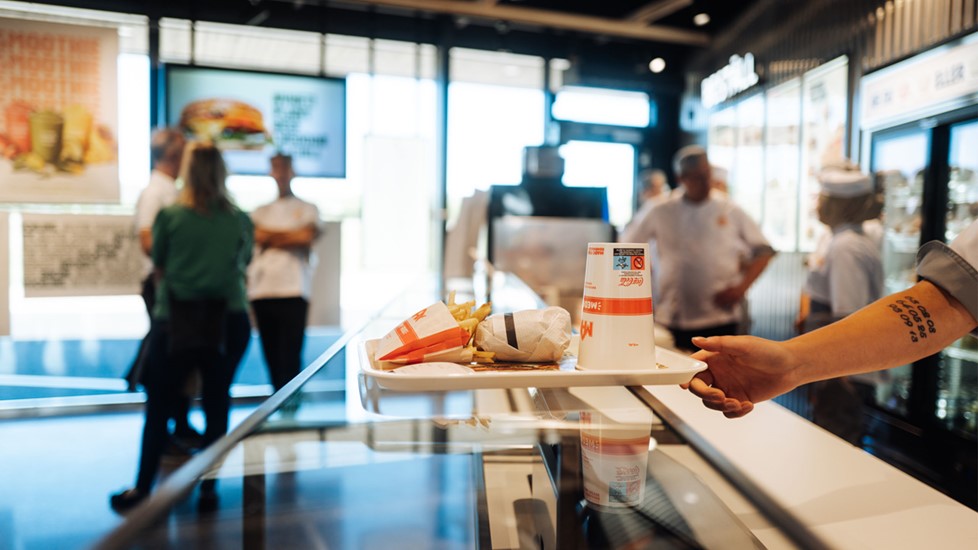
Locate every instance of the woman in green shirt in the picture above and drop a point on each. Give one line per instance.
(201, 247)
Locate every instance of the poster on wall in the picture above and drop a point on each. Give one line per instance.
(58, 115)
(781, 157)
(251, 115)
(81, 255)
(824, 106)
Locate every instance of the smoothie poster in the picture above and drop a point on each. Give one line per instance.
(251, 115)
(58, 117)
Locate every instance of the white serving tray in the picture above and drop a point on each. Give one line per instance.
(672, 368)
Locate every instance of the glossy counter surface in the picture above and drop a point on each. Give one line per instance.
(509, 468)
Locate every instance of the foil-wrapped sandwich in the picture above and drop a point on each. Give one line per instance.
(529, 336)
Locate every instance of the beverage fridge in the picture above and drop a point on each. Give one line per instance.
(926, 414)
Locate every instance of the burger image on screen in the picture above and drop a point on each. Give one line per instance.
(229, 123)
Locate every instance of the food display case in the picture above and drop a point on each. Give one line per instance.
(922, 139)
(524, 467)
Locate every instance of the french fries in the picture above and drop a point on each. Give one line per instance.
(469, 320)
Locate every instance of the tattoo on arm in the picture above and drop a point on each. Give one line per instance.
(915, 316)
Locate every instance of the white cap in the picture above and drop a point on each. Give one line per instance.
(841, 183)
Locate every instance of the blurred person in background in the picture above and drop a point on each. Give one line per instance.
(701, 240)
(280, 276)
(844, 276)
(895, 330)
(655, 187)
(166, 153)
(201, 247)
(846, 272)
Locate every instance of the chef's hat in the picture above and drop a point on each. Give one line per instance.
(844, 181)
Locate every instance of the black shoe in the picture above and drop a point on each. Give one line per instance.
(127, 500)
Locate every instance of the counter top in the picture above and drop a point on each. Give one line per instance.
(847, 497)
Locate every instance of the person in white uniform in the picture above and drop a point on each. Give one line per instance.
(166, 154)
(280, 274)
(846, 276)
(701, 239)
(848, 273)
(892, 331)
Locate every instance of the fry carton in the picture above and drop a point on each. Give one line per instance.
(431, 334)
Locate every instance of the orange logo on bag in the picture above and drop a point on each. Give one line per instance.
(595, 251)
(420, 315)
(405, 333)
(587, 329)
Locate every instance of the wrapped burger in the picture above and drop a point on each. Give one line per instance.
(531, 336)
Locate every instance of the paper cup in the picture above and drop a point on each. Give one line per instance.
(614, 459)
(616, 318)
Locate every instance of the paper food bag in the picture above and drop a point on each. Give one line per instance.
(431, 334)
(531, 336)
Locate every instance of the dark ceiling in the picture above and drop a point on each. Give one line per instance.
(608, 20)
(618, 37)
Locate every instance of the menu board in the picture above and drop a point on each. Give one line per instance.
(77, 255)
(252, 115)
(824, 105)
(781, 156)
(58, 116)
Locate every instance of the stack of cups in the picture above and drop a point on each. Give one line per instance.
(616, 321)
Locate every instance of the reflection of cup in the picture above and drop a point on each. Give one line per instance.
(46, 134)
(616, 317)
(615, 456)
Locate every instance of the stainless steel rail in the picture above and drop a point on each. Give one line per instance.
(179, 484)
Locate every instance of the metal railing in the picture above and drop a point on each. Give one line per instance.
(182, 482)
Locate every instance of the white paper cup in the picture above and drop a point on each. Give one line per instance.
(616, 319)
(614, 459)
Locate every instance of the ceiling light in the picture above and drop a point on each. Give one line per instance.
(657, 65)
(701, 19)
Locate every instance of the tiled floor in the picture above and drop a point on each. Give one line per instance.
(56, 475)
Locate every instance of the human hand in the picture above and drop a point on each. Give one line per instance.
(742, 370)
(729, 297)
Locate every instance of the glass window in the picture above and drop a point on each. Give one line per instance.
(746, 185)
(496, 68)
(782, 169)
(488, 127)
(601, 106)
(722, 138)
(611, 165)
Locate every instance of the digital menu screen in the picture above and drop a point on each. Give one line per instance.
(252, 115)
